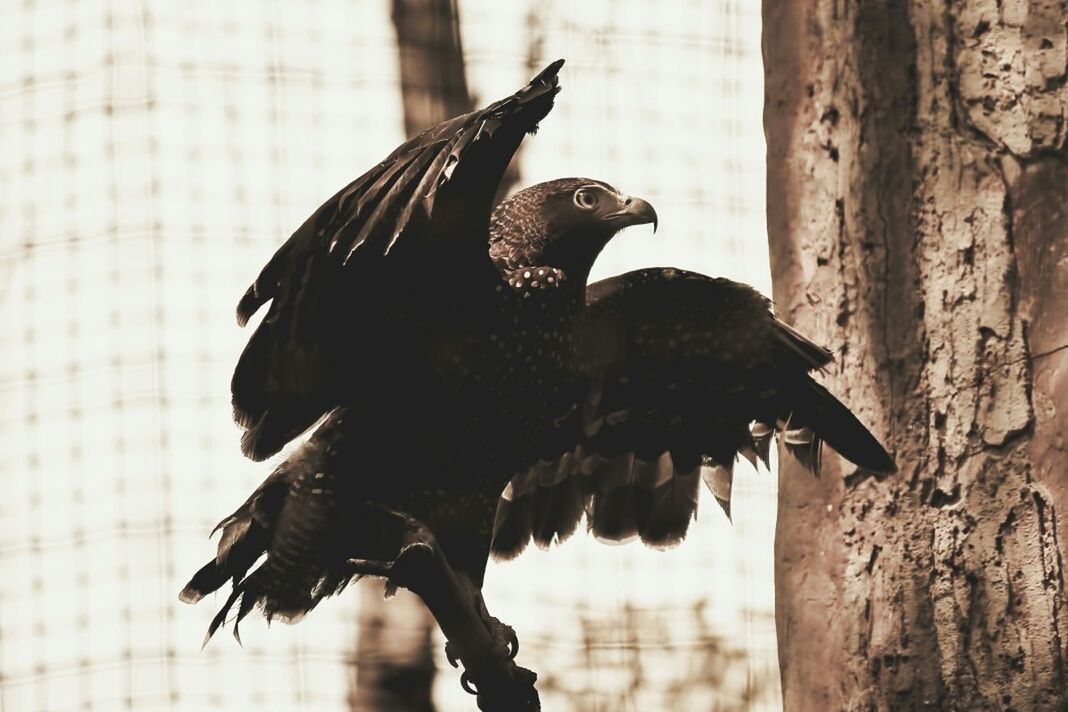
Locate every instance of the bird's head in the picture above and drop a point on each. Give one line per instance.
(563, 223)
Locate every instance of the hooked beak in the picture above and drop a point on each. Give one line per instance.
(633, 211)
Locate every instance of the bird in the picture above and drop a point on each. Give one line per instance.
(390, 329)
(456, 368)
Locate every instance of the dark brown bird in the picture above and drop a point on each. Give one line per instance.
(450, 349)
(438, 374)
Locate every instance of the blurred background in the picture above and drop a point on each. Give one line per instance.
(152, 157)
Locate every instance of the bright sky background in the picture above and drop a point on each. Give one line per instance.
(152, 157)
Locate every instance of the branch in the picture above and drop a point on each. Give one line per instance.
(420, 566)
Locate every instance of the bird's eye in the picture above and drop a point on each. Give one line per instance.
(585, 199)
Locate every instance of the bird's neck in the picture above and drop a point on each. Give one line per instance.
(572, 255)
(540, 282)
(575, 255)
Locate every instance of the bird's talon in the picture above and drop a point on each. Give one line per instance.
(513, 644)
(451, 655)
(465, 682)
(504, 634)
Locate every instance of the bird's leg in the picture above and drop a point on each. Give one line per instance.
(502, 632)
(456, 604)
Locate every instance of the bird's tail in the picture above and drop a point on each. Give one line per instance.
(819, 416)
(293, 520)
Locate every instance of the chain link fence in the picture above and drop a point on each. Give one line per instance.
(152, 156)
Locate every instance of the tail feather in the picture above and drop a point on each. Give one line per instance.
(294, 519)
(209, 578)
(248, 602)
(231, 566)
(243, 541)
(220, 617)
(833, 423)
(811, 353)
(249, 593)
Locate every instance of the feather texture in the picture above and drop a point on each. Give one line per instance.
(325, 284)
(694, 372)
(296, 525)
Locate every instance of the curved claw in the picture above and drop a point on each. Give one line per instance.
(451, 655)
(513, 644)
(465, 682)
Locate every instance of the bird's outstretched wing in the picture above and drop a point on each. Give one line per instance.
(416, 221)
(683, 373)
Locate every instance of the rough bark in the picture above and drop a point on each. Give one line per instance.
(917, 183)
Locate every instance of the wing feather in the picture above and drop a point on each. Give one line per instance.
(400, 195)
(337, 286)
(684, 373)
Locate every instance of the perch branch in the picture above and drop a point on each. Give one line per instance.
(456, 604)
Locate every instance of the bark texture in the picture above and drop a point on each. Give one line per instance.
(917, 184)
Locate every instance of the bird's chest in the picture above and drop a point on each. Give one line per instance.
(530, 363)
(504, 381)
(532, 350)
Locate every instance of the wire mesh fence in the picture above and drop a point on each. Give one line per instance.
(152, 156)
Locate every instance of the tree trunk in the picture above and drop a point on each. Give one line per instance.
(917, 192)
(394, 662)
(433, 81)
